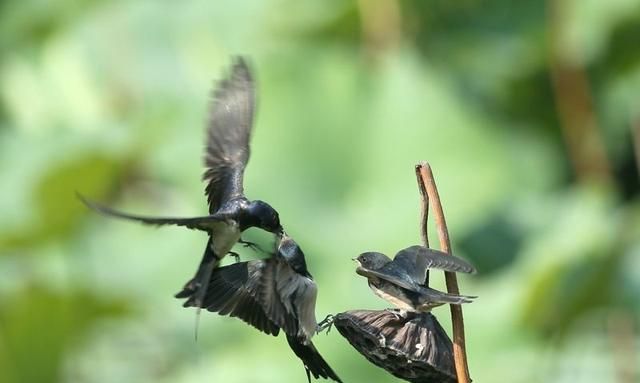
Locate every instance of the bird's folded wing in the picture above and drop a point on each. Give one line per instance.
(279, 285)
(234, 290)
(394, 275)
(298, 295)
(228, 134)
(203, 223)
(416, 260)
(435, 296)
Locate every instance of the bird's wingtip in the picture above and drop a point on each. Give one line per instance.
(87, 202)
(80, 197)
(240, 67)
(93, 205)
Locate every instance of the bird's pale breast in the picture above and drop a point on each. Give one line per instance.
(392, 294)
(225, 235)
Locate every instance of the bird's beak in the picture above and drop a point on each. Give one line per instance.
(281, 234)
(361, 271)
(281, 239)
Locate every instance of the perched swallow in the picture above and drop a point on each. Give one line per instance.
(272, 294)
(403, 281)
(226, 156)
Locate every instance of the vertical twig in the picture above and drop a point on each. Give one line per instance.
(574, 102)
(424, 207)
(424, 213)
(621, 336)
(429, 192)
(635, 134)
(381, 22)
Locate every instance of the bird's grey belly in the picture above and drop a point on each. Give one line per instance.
(225, 235)
(392, 294)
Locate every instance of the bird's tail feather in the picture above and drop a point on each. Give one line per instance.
(312, 360)
(197, 286)
(435, 296)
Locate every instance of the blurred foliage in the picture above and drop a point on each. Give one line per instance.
(58, 212)
(40, 327)
(109, 99)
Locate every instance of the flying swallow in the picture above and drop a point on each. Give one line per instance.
(226, 155)
(273, 294)
(403, 281)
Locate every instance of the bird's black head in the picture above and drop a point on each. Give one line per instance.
(262, 215)
(291, 253)
(372, 260)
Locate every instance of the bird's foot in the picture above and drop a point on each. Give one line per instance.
(397, 313)
(235, 255)
(382, 341)
(325, 324)
(253, 246)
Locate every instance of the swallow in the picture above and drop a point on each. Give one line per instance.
(403, 281)
(272, 294)
(227, 152)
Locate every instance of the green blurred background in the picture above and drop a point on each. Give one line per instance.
(529, 113)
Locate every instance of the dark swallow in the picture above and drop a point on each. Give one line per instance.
(403, 281)
(226, 155)
(273, 294)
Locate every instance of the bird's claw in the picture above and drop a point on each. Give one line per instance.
(251, 245)
(235, 255)
(398, 314)
(326, 323)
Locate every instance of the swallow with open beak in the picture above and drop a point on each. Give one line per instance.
(273, 294)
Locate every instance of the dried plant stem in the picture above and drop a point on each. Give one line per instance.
(574, 102)
(635, 133)
(381, 23)
(622, 335)
(430, 196)
(424, 207)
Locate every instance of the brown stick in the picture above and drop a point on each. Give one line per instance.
(635, 133)
(424, 207)
(430, 195)
(381, 23)
(574, 102)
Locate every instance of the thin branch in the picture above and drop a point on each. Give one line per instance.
(427, 182)
(424, 207)
(621, 336)
(424, 214)
(635, 133)
(574, 103)
(381, 22)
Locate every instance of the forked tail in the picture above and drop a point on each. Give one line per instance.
(313, 362)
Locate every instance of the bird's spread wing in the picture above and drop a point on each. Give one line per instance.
(416, 260)
(228, 133)
(234, 290)
(203, 223)
(264, 295)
